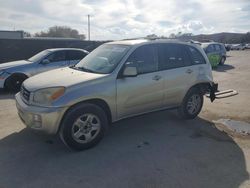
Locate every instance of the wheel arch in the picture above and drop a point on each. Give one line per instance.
(96, 101)
(203, 87)
(13, 75)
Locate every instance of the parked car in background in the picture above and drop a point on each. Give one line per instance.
(235, 46)
(216, 53)
(238, 47)
(12, 74)
(115, 81)
(228, 47)
(247, 46)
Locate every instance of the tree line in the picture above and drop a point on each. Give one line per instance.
(58, 32)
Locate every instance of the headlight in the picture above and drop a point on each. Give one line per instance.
(48, 95)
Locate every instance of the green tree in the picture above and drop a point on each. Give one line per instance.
(61, 32)
(26, 34)
(172, 36)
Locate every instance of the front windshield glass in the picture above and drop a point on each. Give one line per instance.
(39, 56)
(104, 59)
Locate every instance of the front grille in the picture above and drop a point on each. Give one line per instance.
(25, 93)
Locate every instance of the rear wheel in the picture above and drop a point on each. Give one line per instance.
(14, 82)
(191, 104)
(222, 61)
(83, 126)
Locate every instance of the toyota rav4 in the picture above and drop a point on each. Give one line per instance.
(115, 81)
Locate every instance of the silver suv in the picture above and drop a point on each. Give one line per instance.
(115, 81)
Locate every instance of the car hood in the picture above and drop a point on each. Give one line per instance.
(59, 77)
(11, 64)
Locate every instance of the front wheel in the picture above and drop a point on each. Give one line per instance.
(14, 82)
(83, 126)
(191, 104)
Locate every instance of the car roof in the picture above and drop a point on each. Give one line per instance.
(208, 43)
(134, 42)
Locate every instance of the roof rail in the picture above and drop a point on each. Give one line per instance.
(150, 38)
(165, 38)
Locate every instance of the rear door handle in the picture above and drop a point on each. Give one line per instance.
(156, 77)
(189, 71)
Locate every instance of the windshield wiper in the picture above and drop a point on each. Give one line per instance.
(83, 69)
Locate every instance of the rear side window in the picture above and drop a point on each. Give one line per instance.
(145, 58)
(217, 47)
(196, 56)
(173, 56)
(210, 49)
(222, 47)
(75, 55)
(57, 56)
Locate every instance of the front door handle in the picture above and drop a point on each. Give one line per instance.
(189, 71)
(156, 77)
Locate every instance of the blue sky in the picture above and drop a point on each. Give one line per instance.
(118, 19)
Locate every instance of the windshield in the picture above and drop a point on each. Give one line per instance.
(104, 59)
(39, 56)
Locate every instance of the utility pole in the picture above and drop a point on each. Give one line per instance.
(89, 25)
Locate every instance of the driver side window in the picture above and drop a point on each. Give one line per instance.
(57, 56)
(145, 58)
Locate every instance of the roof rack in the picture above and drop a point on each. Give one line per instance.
(149, 38)
(165, 38)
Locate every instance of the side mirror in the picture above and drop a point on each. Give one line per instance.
(45, 61)
(129, 70)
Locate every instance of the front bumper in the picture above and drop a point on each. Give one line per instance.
(44, 119)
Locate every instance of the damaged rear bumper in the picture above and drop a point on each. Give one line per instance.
(214, 93)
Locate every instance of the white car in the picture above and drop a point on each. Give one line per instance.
(238, 47)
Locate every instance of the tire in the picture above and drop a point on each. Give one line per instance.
(14, 82)
(83, 126)
(222, 61)
(185, 110)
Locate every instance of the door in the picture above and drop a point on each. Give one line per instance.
(53, 61)
(74, 56)
(178, 74)
(144, 92)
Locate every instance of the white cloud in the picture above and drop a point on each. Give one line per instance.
(117, 19)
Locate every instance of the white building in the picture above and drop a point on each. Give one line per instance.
(11, 34)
